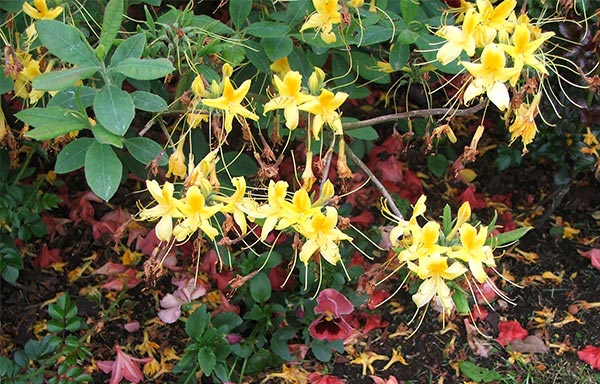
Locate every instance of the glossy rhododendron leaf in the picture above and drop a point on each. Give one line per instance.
(593, 255)
(510, 331)
(590, 355)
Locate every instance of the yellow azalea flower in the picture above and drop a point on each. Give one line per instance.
(434, 270)
(356, 3)
(281, 66)
(195, 119)
(523, 50)
(23, 80)
(271, 211)
(297, 211)
(474, 251)
(177, 162)
(323, 19)
(230, 103)
(464, 214)
(204, 175)
(322, 235)
(459, 39)
(524, 125)
(403, 227)
(198, 87)
(290, 96)
(424, 242)
(490, 76)
(324, 108)
(166, 209)
(236, 203)
(40, 10)
(197, 215)
(493, 20)
(316, 81)
(308, 177)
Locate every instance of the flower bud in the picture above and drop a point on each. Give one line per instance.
(316, 80)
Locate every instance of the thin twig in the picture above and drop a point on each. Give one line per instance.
(410, 114)
(391, 204)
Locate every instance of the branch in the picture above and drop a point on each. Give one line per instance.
(410, 114)
(391, 204)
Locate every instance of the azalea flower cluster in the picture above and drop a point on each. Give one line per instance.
(504, 50)
(437, 256)
(202, 200)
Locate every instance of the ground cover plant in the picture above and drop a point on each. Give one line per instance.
(299, 191)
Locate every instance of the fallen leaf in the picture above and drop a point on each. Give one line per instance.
(510, 331)
(531, 344)
(590, 355)
(594, 255)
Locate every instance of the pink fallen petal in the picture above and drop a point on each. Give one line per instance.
(124, 367)
(105, 366)
(110, 268)
(169, 315)
(379, 380)
(594, 255)
(132, 326)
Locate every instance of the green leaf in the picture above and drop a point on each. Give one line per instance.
(148, 102)
(72, 156)
(51, 122)
(145, 150)
(66, 42)
(239, 164)
(447, 220)
(277, 47)
(260, 287)
(206, 360)
(78, 98)
(375, 34)
(104, 136)
(364, 133)
(476, 373)
(144, 69)
(399, 54)
(239, 11)
(256, 55)
(133, 47)
(197, 323)
(113, 16)
(114, 109)
(508, 237)
(461, 302)
(103, 170)
(57, 80)
(226, 321)
(437, 164)
(407, 37)
(267, 29)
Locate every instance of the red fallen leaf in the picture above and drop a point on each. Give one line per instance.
(317, 378)
(594, 255)
(373, 322)
(47, 257)
(119, 281)
(510, 331)
(82, 209)
(590, 355)
(110, 224)
(475, 199)
(55, 225)
(364, 219)
(277, 276)
(377, 297)
(479, 312)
